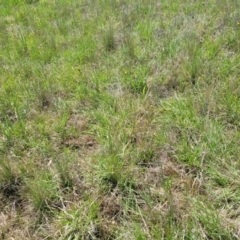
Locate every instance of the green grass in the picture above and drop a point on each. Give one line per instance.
(119, 119)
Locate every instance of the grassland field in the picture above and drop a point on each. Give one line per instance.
(119, 119)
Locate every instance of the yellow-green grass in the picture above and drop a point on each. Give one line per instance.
(119, 119)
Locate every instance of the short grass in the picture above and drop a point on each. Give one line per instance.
(119, 119)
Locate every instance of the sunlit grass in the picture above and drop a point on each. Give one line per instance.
(119, 119)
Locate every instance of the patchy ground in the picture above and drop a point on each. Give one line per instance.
(119, 120)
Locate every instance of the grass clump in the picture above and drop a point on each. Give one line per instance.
(109, 40)
(119, 120)
(43, 192)
(10, 182)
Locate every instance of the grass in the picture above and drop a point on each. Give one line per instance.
(119, 120)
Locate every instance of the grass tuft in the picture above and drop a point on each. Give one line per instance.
(109, 41)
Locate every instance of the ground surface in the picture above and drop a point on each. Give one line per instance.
(119, 119)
